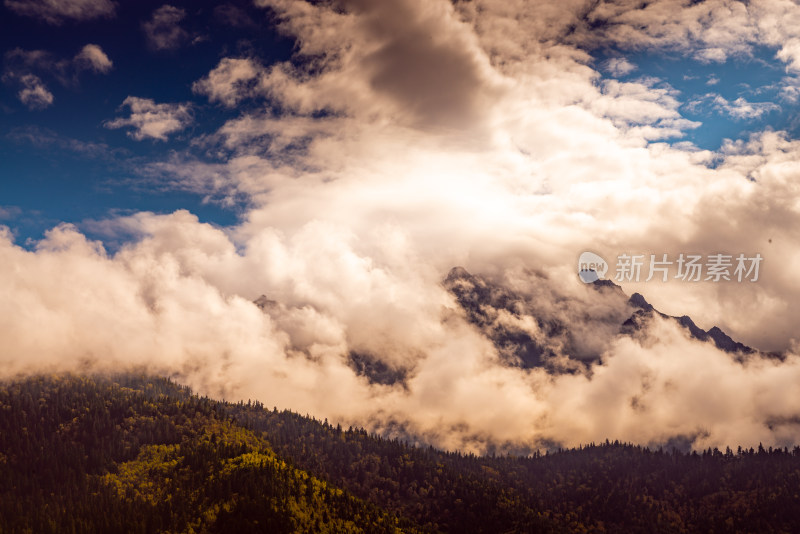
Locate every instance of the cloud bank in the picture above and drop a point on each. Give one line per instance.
(406, 138)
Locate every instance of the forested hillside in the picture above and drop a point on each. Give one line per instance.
(138, 454)
(81, 455)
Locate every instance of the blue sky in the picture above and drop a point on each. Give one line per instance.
(349, 162)
(61, 164)
(756, 78)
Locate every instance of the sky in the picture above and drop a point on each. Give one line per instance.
(164, 165)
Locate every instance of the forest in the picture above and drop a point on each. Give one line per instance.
(140, 454)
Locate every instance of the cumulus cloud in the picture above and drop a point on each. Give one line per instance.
(643, 102)
(742, 109)
(56, 12)
(406, 138)
(163, 30)
(151, 120)
(26, 68)
(33, 92)
(790, 54)
(712, 31)
(232, 80)
(93, 58)
(739, 109)
(181, 306)
(619, 66)
(420, 65)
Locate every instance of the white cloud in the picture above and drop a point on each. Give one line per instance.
(789, 89)
(469, 134)
(163, 30)
(93, 58)
(646, 101)
(742, 109)
(789, 53)
(33, 92)
(619, 66)
(739, 109)
(711, 31)
(231, 81)
(27, 67)
(151, 120)
(57, 11)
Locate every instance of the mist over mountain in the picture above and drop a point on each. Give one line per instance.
(720, 339)
(535, 327)
(371, 212)
(561, 334)
(168, 165)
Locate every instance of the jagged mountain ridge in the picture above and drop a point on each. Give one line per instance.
(536, 327)
(483, 300)
(722, 340)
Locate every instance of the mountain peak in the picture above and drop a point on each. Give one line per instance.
(457, 273)
(638, 301)
(500, 312)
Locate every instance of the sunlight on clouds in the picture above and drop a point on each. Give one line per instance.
(619, 66)
(151, 120)
(92, 57)
(406, 138)
(231, 81)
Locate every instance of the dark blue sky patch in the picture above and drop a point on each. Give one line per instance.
(61, 163)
